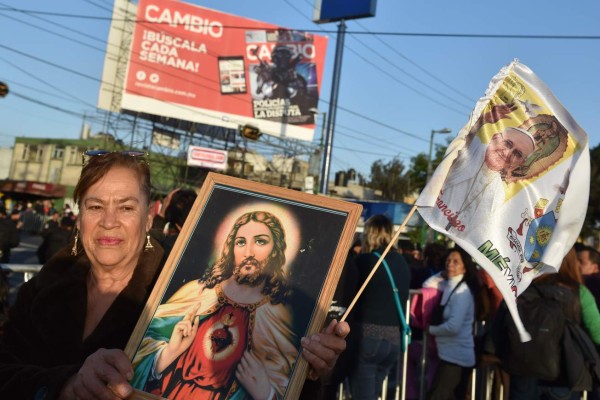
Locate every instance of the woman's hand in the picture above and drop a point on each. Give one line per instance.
(181, 339)
(103, 375)
(253, 376)
(322, 350)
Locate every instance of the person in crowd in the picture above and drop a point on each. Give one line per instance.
(15, 218)
(343, 296)
(49, 228)
(55, 239)
(168, 222)
(410, 253)
(434, 255)
(433, 262)
(452, 325)
(9, 236)
(581, 308)
(47, 208)
(28, 218)
(70, 323)
(52, 223)
(589, 259)
(4, 293)
(67, 211)
(376, 320)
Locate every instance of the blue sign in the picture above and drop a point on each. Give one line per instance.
(395, 211)
(336, 10)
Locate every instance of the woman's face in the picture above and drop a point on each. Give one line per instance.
(454, 264)
(113, 220)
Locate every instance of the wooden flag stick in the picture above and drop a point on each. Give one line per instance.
(387, 249)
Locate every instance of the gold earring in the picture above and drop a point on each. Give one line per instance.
(74, 249)
(148, 244)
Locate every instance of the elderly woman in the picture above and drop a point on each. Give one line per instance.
(67, 329)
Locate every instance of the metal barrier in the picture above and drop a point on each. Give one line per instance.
(28, 270)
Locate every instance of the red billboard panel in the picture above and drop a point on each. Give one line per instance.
(198, 64)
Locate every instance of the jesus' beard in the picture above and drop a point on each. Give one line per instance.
(255, 278)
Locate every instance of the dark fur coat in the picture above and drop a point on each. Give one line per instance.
(42, 345)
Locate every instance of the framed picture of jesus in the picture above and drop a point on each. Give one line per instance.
(253, 270)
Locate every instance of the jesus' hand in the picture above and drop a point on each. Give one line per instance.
(181, 339)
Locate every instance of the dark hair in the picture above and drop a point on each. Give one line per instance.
(568, 274)
(67, 222)
(579, 246)
(276, 284)
(180, 206)
(470, 268)
(593, 254)
(98, 166)
(434, 256)
(471, 278)
(406, 245)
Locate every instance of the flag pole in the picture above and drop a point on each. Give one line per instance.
(387, 249)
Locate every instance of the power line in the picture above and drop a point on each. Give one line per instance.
(196, 84)
(395, 66)
(39, 102)
(79, 115)
(426, 72)
(32, 76)
(439, 103)
(106, 7)
(371, 33)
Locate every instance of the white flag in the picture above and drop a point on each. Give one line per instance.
(512, 189)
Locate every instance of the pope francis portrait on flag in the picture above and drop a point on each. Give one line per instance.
(475, 184)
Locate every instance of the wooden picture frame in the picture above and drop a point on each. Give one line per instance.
(223, 318)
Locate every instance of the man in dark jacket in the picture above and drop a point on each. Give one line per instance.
(55, 239)
(9, 236)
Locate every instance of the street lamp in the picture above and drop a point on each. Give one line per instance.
(428, 232)
(433, 132)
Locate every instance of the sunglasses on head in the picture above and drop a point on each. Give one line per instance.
(92, 153)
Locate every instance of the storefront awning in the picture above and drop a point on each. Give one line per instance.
(30, 189)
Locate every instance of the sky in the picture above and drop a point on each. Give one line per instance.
(413, 68)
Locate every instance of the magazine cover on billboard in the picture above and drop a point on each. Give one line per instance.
(283, 76)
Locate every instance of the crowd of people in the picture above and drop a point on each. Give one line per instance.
(457, 308)
(67, 331)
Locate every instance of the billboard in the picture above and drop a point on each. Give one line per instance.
(197, 64)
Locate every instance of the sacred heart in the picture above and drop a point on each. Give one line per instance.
(220, 339)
